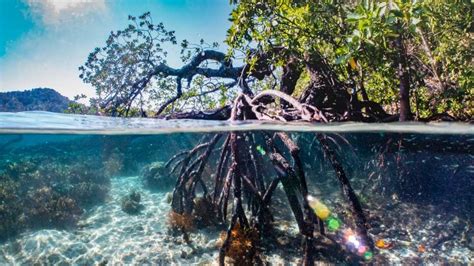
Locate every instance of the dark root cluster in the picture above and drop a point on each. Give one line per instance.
(249, 168)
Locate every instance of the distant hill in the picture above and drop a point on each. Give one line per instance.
(39, 99)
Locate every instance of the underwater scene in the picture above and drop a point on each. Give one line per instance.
(73, 193)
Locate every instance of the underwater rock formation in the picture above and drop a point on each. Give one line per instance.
(131, 203)
(156, 176)
(204, 213)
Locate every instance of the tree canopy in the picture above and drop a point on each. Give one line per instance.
(353, 60)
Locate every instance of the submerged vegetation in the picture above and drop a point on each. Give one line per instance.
(53, 184)
(156, 176)
(39, 193)
(181, 222)
(242, 245)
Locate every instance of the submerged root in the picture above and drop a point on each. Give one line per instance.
(240, 181)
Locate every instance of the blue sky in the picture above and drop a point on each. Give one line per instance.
(43, 42)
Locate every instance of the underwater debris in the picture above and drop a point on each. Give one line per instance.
(368, 255)
(131, 203)
(181, 222)
(352, 240)
(261, 150)
(241, 249)
(356, 245)
(333, 223)
(382, 244)
(320, 209)
(421, 248)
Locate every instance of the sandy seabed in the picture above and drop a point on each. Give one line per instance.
(107, 235)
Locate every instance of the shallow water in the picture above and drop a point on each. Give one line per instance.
(65, 179)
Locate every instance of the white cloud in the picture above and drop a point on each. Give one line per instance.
(54, 12)
(50, 53)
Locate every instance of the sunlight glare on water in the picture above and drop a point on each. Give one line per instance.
(46, 122)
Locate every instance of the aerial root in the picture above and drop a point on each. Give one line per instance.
(239, 178)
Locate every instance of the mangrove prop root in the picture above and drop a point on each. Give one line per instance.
(182, 201)
(220, 167)
(355, 206)
(224, 195)
(239, 214)
(241, 181)
(309, 215)
(227, 240)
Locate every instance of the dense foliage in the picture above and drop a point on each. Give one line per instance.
(413, 58)
(131, 74)
(359, 41)
(39, 99)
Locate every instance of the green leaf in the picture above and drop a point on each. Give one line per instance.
(342, 59)
(356, 33)
(415, 21)
(354, 17)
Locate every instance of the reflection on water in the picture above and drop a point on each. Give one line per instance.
(89, 199)
(46, 122)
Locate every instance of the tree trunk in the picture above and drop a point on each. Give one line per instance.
(289, 78)
(404, 77)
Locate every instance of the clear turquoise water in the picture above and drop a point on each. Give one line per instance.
(63, 179)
